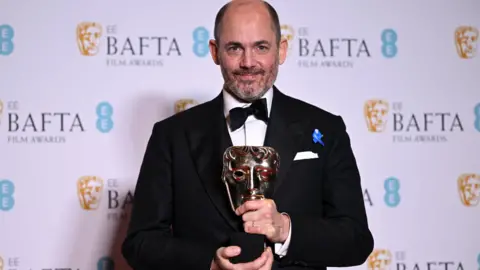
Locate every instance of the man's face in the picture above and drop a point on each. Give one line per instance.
(247, 52)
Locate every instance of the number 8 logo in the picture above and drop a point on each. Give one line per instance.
(6, 39)
(105, 263)
(200, 41)
(104, 117)
(389, 40)
(476, 111)
(7, 189)
(478, 261)
(392, 196)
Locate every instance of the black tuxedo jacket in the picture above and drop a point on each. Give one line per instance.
(181, 216)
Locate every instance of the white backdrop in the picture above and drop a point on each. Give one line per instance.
(73, 115)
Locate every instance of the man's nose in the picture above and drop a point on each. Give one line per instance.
(248, 59)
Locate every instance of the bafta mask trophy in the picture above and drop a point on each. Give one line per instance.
(249, 173)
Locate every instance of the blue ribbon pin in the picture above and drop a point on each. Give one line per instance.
(317, 137)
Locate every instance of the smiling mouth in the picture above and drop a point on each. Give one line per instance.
(248, 76)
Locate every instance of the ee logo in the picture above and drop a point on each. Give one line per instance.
(476, 111)
(105, 263)
(7, 189)
(389, 40)
(6, 39)
(392, 197)
(200, 41)
(104, 117)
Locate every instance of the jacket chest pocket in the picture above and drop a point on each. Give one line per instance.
(308, 167)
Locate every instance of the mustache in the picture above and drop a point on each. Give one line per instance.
(249, 72)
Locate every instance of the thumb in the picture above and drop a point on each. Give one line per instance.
(231, 251)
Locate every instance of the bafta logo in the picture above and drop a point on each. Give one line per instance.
(89, 191)
(466, 38)
(184, 104)
(376, 113)
(469, 189)
(288, 34)
(380, 259)
(88, 38)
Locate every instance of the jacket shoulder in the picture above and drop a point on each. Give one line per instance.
(190, 116)
(315, 113)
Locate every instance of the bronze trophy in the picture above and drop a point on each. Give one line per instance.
(249, 173)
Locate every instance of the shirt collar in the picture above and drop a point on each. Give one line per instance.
(229, 102)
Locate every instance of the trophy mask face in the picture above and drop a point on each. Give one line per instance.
(249, 173)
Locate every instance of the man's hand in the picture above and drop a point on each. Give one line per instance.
(223, 254)
(262, 217)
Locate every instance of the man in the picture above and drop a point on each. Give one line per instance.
(181, 218)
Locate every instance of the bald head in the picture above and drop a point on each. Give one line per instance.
(248, 47)
(237, 9)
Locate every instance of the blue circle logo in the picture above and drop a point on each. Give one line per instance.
(105, 263)
(389, 40)
(200, 41)
(104, 117)
(7, 189)
(6, 39)
(392, 195)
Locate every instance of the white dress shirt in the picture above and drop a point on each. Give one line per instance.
(252, 133)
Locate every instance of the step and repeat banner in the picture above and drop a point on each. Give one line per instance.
(82, 83)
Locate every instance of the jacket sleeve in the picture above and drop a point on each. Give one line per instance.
(149, 243)
(341, 237)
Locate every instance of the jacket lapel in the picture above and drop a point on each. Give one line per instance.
(207, 144)
(285, 132)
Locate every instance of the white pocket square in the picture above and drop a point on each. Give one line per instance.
(305, 155)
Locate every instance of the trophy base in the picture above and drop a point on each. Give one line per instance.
(252, 246)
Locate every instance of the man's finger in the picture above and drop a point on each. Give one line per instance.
(253, 215)
(230, 251)
(253, 229)
(257, 227)
(260, 262)
(258, 221)
(268, 262)
(249, 206)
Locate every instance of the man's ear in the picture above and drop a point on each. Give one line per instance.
(214, 50)
(283, 49)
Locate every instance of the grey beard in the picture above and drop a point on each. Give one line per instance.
(250, 99)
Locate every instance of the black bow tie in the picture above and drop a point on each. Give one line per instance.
(258, 109)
